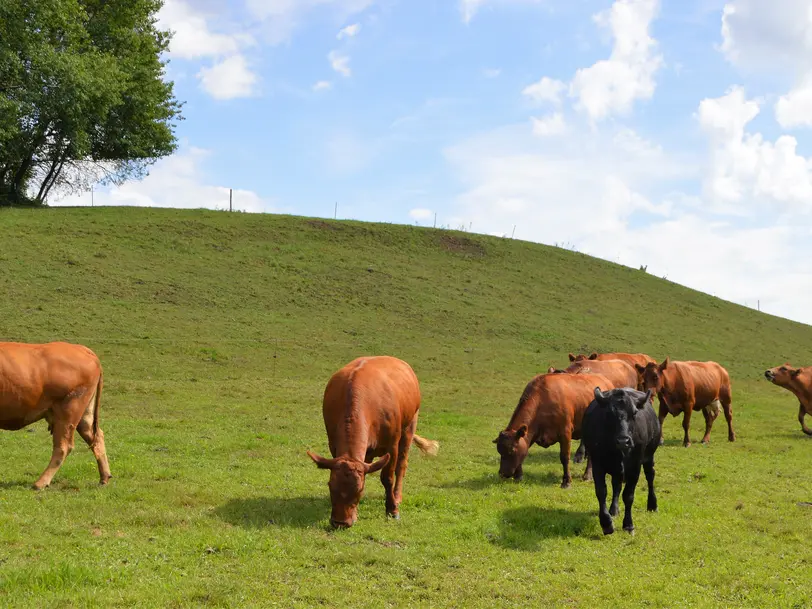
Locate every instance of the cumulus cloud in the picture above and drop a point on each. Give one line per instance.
(795, 108)
(349, 32)
(194, 38)
(228, 79)
(420, 214)
(491, 72)
(545, 90)
(281, 18)
(611, 86)
(340, 63)
(748, 172)
(469, 8)
(549, 125)
(322, 85)
(176, 181)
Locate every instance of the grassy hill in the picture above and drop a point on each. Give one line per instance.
(218, 333)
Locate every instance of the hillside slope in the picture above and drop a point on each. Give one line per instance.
(218, 333)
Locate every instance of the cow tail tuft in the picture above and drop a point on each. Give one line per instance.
(428, 447)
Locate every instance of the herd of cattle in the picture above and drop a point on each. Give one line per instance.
(371, 406)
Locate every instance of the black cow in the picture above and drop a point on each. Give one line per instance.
(621, 433)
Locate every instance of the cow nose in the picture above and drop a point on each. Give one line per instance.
(625, 442)
(769, 375)
(337, 524)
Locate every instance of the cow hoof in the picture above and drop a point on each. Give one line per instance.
(587, 478)
(629, 529)
(731, 438)
(652, 508)
(578, 458)
(608, 530)
(614, 511)
(566, 484)
(39, 487)
(686, 444)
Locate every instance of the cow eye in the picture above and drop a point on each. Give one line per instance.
(783, 368)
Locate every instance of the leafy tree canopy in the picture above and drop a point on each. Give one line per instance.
(82, 95)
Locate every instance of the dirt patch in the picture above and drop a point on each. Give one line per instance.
(322, 225)
(462, 245)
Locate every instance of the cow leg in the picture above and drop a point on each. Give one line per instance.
(588, 471)
(403, 460)
(617, 483)
(565, 442)
(600, 492)
(725, 399)
(579, 454)
(632, 476)
(662, 415)
(686, 423)
(62, 446)
(708, 425)
(801, 415)
(95, 441)
(388, 481)
(648, 468)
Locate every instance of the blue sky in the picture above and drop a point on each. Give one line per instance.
(671, 134)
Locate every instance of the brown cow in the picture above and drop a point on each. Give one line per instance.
(799, 382)
(619, 373)
(58, 382)
(688, 386)
(550, 410)
(370, 410)
(633, 359)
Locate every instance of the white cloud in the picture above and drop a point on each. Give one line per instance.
(419, 214)
(228, 79)
(549, 125)
(768, 36)
(340, 63)
(491, 72)
(611, 86)
(322, 85)
(748, 173)
(545, 90)
(795, 108)
(176, 181)
(350, 31)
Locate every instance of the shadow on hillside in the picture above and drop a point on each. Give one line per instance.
(14, 484)
(526, 527)
(261, 512)
(549, 478)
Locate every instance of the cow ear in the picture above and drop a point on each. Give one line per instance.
(795, 373)
(572, 357)
(521, 432)
(379, 464)
(640, 369)
(664, 365)
(644, 400)
(600, 397)
(551, 370)
(593, 355)
(321, 461)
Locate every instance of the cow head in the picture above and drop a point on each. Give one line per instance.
(512, 446)
(622, 406)
(651, 375)
(346, 485)
(580, 357)
(783, 376)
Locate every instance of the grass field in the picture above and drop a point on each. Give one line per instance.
(218, 333)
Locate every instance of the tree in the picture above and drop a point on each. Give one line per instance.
(82, 95)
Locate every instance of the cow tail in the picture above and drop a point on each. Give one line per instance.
(428, 447)
(97, 403)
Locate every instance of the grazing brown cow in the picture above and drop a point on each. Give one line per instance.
(58, 382)
(370, 410)
(550, 410)
(619, 373)
(633, 359)
(688, 386)
(799, 382)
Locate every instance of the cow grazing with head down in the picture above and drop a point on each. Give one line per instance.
(683, 387)
(633, 359)
(550, 410)
(370, 410)
(621, 433)
(58, 382)
(799, 382)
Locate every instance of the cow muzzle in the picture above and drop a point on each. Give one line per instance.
(769, 375)
(624, 443)
(342, 524)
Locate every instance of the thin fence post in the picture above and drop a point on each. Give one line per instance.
(759, 305)
(514, 231)
(435, 219)
(335, 213)
(230, 199)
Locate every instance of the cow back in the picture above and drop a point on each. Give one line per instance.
(700, 382)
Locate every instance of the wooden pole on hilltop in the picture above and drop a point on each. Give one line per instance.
(230, 199)
(335, 213)
(514, 231)
(435, 219)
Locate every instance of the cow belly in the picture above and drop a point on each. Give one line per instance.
(12, 419)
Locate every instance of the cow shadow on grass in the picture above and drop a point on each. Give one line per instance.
(540, 478)
(525, 528)
(262, 512)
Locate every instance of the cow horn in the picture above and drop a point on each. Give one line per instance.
(644, 400)
(599, 396)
